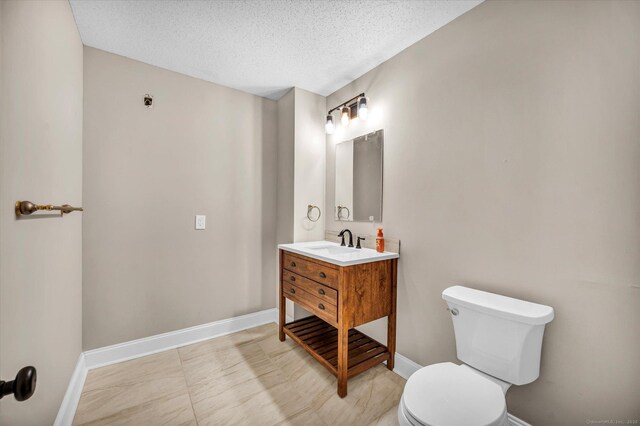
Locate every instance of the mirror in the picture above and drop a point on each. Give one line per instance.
(358, 191)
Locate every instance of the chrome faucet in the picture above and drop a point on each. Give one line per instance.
(341, 234)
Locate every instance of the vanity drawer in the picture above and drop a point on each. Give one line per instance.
(323, 309)
(321, 291)
(314, 271)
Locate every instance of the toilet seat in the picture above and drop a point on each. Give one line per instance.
(447, 394)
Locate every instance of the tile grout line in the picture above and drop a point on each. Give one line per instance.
(290, 382)
(117, 387)
(284, 374)
(184, 376)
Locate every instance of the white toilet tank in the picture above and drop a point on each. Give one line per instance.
(498, 335)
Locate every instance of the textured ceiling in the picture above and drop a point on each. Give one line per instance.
(263, 46)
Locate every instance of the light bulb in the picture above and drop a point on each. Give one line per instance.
(363, 110)
(345, 116)
(328, 127)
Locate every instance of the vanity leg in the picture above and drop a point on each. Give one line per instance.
(391, 319)
(282, 305)
(281, 320)
(343, 360)
(391, 340)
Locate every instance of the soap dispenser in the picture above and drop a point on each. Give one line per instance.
(380, 241)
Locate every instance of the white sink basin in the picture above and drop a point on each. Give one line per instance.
(337, 254)
(333, 250)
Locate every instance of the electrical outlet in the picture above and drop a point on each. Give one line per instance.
(201, 221)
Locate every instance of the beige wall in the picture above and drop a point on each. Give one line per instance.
(301, 165)
(286, 147)
(512, 164)
(40, 161)
(309, 169)
(202, 149)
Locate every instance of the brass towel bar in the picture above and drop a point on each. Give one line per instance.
(27, 207)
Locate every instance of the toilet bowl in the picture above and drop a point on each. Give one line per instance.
(499, 340)
(447, 394)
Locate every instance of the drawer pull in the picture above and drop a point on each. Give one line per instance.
(292, 278)
(293, 264)
(321, 291)
(321, 306)
(323, 275)
(293, 290)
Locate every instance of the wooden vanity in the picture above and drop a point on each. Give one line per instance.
(340, 298)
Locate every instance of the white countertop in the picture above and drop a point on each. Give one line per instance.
(331, 252)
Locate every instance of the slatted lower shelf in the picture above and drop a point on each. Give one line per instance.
(320, 339)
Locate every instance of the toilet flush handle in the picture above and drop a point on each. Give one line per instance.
(453, 311)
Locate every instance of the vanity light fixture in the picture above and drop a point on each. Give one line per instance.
(345, 116)
(354, 107)
(363, 110)
(329, 126)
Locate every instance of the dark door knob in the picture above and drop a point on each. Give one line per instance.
(22, 387)
(323, 275)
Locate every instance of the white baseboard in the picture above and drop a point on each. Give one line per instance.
(404, 367)
(161, 342)
(72, 396)
(514, 421)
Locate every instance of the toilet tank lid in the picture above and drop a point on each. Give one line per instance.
(498, 305)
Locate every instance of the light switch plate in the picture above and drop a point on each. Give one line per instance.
(201, 221)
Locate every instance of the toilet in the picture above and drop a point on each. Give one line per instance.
(499, 340)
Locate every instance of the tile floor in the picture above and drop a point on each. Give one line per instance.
(249, 378)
